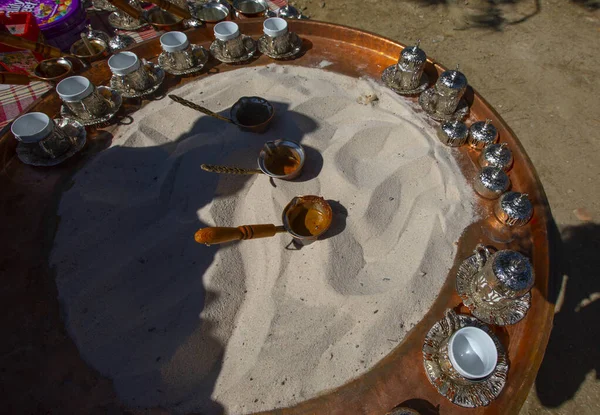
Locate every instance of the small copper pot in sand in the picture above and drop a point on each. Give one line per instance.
(306, 218)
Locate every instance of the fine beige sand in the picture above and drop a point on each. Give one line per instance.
(252, 326)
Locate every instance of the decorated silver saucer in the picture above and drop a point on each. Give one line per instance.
(461, 111)
(199, 53)
(500, 315)
(459, 390)
(33, 154)
(249, 45)
(295, 43)
(115, 21)
(156, 73)
(114, 101)
(388, 79)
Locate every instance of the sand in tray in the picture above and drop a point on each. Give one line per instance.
(251, 326)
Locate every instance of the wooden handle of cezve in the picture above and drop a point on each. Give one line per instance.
(18, 42)
(124, 6)
(14, 78)
(172, 8)
(211, 236)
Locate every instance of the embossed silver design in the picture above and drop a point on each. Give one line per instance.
(114, 100)
(96, 34)
(491, 182)
(444, 101)
(513, 209)
(407, 76)
(453, 133)
(34, 155)
(156, 73)
(496, 287)
(198, 58)
(266, 47)
(496, 155)
(459, 390)
(482, 133)
(121, 20)
(120, 42)
(248, 50)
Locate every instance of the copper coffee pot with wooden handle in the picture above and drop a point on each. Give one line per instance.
(20, 43)
(305, 218)
(172, 8)
(14, 78)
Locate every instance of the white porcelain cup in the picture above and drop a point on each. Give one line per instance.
(37, 128)
(81, 97)
(74, 88)
(128, 67)
(174, 41)
(177, 50)
(472, 353)
(275, 27)
(229, 39)
(226, 31)
(123, 63)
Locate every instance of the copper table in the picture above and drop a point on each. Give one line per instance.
(41, 370)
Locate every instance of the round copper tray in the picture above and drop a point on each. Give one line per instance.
(42, 370)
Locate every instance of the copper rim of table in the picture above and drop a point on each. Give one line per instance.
(30, 196)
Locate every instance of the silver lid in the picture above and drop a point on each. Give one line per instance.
(482, 133)
(496, 155)
(514, 209)
(451, 80)
(453, 133)
(514, 271)
(120, 42)
(412, 57)
(491, 182)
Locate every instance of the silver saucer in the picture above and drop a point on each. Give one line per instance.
(295, 42)
(502, 315)
(156, 73)
(113, 20)
(388, 79)
(461, 111)
(249, 44)
(458, 390)
(33, 154)
(201, 58)
(114, 98)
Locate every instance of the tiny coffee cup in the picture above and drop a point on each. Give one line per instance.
(36, 128)
(278, 36)
(82, 97)
(229, 39)
(470, 352)
(128, 67)
(177, 48)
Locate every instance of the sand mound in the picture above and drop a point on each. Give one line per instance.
(252, 326)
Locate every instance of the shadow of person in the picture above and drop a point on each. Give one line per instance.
(572, 352)
(135, 292)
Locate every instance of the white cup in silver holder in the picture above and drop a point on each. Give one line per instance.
(82, 97)
(177, 48)
(36, 128)
(278, 36)
(471, 352)
(133, 74)
(229, 39)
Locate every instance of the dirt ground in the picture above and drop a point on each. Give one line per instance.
(537, 62)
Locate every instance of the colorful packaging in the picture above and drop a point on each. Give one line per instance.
(61, 21)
